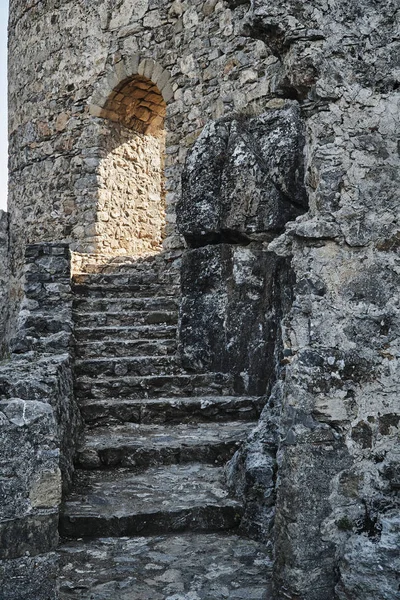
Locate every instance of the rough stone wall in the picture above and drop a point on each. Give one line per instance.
(336, 525)
(39, 427)
(131, 199)
(320, 474)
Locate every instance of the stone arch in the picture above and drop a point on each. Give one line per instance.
(126, 71)
(137, 104)
(131, 104)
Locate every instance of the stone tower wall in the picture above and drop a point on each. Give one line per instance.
(65, 60)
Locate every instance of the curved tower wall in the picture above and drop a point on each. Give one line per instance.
(67, 58)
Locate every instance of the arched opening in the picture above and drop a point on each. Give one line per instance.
(131, 197)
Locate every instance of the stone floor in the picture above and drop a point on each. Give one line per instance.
(166, 567)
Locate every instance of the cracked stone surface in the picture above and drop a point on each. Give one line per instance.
(120, 492)
(162, 499)
(175, 567)
(139, 446)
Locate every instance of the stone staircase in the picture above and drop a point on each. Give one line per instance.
(152, 459)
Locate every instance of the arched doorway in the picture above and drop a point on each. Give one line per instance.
(131, 197)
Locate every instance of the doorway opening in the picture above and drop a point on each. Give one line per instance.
(131, 192)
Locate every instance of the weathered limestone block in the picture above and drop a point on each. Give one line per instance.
(39, 428)
(47, 380)
(251, 473)
(337, 462)
(31, 478)
(370, 567)
(230, 311)
(244, 178)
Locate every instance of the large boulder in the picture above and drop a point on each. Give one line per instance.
(243, 179)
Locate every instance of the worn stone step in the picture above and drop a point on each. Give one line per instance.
(127, 365)
(154, 386)
(139, 447)
(84, 304)
(131, 333)
(162, 263)
(211, 566)
(124, 347)
(125, 291)
(128, 318)
(172, 410)
(127, 277)
(163, 499)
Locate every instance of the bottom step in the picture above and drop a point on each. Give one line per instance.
(161, 500)
(175, 567)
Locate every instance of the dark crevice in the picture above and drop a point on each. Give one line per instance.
(272, 35)
(224, 236)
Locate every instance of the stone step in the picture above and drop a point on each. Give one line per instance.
(138, 447)
(126, 347)
(125, 291)
(211, 566)
(127, 365)
(162, 263)
(128, 318)
(132, 333)
(164, 499)
(163, 303)
(126, 278)
(154, 386)
(172, 410)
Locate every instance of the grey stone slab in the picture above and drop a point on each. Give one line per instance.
(171, 410)
(139, 446)
(133, 276)
(111, 304)
(126, 347)
(151, 317)
(215, 566)
(156, 386)
(125, 291)
(127, 365)
(130, 333)
(163, 499)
